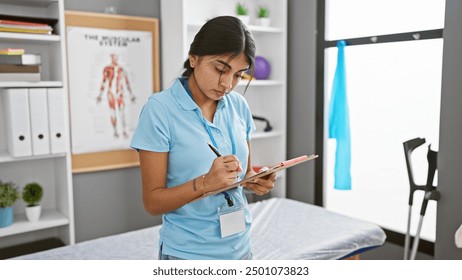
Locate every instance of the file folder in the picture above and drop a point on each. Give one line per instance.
(38, 107)
(57, 120)
(17, 121)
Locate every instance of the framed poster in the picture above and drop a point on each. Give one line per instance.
(113, 67)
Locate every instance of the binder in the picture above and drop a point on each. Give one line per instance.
(57, 120)
(38, 108)
(17, 121)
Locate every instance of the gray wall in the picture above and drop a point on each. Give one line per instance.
(449, 211)
(301, 96)
(109, 202)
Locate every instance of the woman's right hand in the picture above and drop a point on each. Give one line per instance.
(222, 173)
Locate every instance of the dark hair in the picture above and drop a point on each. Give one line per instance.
(221, 35)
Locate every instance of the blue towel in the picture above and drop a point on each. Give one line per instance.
(339, 123)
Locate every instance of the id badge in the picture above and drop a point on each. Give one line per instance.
(232, 220)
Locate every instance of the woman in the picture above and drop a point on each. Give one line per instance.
(178, 166)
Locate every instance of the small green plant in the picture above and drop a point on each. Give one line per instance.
(32, 194)
(8, 194)
(241, 10)
(263, 12)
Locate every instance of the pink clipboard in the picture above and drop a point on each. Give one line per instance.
(278, 167)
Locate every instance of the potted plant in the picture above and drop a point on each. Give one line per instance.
(32, 195)
(242, 13)
(8, 197)
(263, 16)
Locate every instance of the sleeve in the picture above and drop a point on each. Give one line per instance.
(152, 132)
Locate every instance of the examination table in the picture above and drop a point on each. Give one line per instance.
(282, 229)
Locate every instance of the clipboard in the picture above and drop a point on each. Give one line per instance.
(278, 167)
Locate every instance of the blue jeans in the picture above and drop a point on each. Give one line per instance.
(171, 258)
(162, 256)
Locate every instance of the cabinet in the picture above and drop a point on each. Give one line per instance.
(52, 170)
(182, 19)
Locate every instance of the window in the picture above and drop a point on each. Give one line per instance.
(360, 18)
(393, 94)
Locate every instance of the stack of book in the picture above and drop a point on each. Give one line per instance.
(15, 65)
(24, 27)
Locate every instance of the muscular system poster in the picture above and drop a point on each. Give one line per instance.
(110, 78)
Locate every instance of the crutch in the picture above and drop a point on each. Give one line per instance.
(409, 146)
(430, 194)
(430, 191)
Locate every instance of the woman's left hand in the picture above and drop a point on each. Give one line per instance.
(262, 185)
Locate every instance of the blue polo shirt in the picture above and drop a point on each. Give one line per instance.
(171, 121)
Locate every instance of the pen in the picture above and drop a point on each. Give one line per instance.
(227, 197)
(215, 150)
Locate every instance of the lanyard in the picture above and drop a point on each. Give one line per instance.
(209, 132)
(207, 127)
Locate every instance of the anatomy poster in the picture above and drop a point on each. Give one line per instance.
(110, 79)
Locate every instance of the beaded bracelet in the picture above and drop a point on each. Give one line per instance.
(194, 185)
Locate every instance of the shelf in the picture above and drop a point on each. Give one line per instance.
(48, 219)
(36, 3)
(5, 157)
(262, 29)
(257, 83)
(51, 170)
(41, 84)
(36, 38)
(262, 135)
(253, 28)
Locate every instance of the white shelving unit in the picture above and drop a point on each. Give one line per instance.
(52, 171)
(266, 98)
